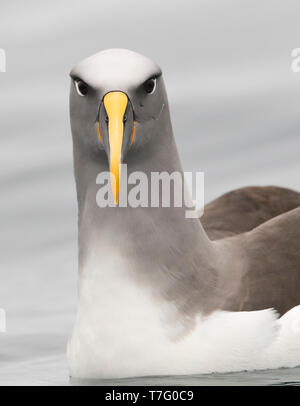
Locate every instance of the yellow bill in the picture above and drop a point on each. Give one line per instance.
(115, 105)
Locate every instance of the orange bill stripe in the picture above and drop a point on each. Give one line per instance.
(133, 132)
(98, 125)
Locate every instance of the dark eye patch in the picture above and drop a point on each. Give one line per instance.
(149, 85)
(81, 87)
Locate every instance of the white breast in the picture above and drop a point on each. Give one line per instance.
(121, 331)
(117, 321)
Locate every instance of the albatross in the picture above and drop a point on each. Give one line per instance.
(158, 293)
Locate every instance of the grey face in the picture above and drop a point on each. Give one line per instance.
(116, 99)
(110, 71)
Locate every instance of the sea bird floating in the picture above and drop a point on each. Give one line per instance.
(158, 293)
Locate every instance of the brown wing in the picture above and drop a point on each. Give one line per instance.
(271, 277)
(244, 209)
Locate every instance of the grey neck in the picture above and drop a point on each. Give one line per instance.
(166, 251)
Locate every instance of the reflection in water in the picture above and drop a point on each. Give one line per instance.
(271, 377)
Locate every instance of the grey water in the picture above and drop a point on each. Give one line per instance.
(235, 108)
(281, 377)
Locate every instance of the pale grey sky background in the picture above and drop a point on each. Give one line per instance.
(235, 108)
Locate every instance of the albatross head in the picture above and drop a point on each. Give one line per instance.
(116, 99)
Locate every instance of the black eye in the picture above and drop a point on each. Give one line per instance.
(150, 85)
(81, 87)
(124, 118)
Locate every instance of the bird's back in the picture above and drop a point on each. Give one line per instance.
(271, 272)
(244, 209)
